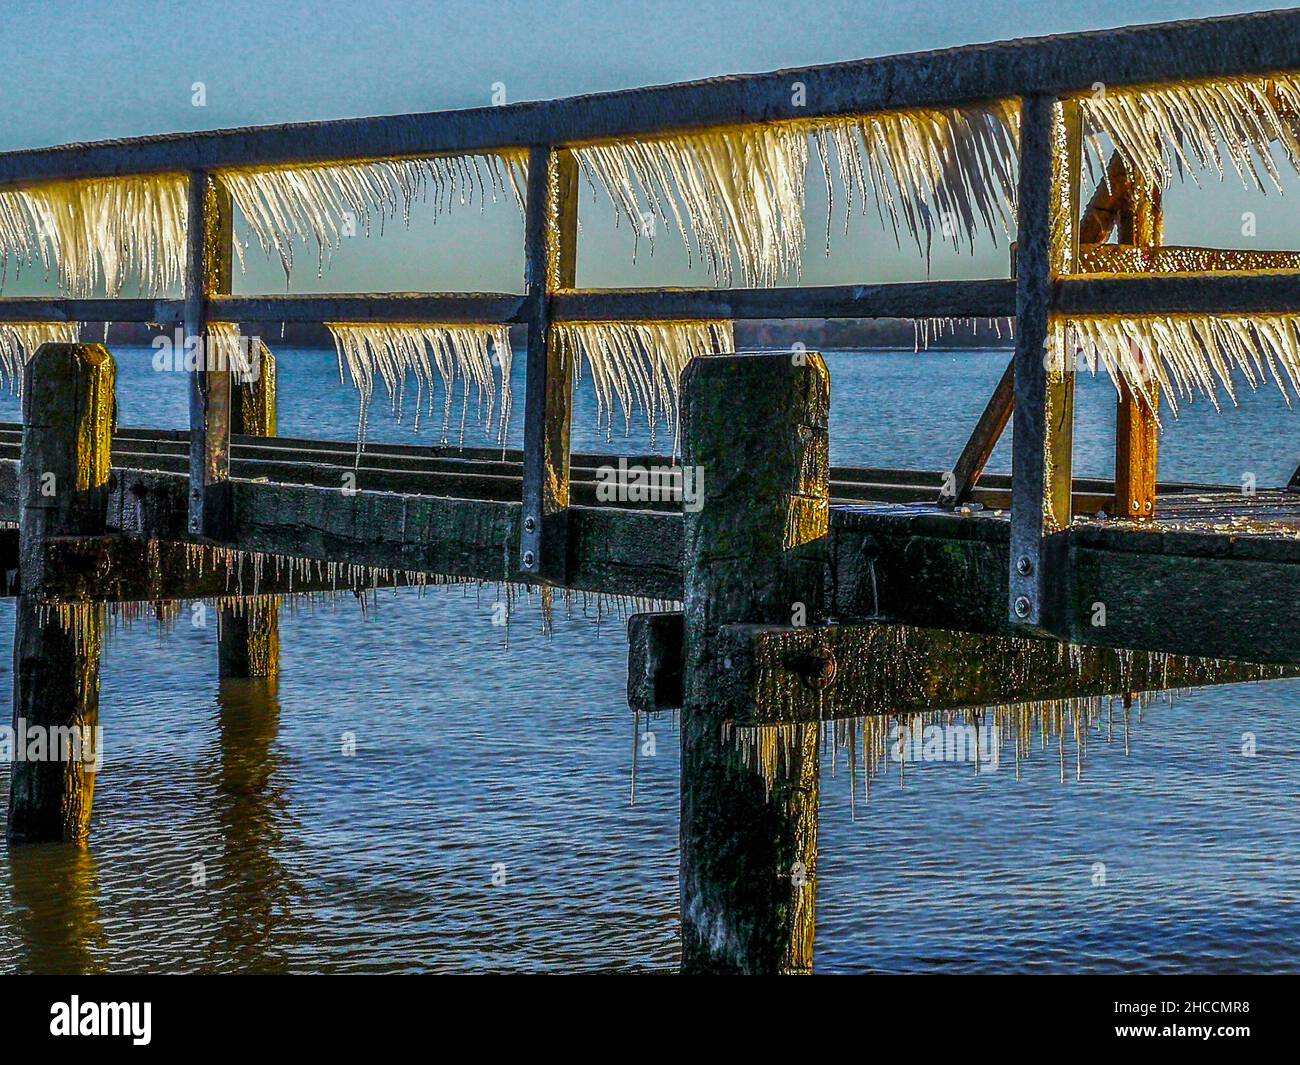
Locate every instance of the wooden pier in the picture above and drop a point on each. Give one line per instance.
(978, 568)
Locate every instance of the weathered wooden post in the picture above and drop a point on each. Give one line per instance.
(249, 638)
(68, 405)
(756, 430)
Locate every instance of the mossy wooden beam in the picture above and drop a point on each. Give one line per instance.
(616, 552)
(1164, 588)
(784, 674)
(550, 264)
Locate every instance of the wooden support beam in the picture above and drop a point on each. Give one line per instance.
(1175, 259)
(208, 266)
(1136, 449)
(1103, 210)
(1167, 589)
(1141, 225)
(655, 654)
(961, 480)
(68, 407)
(790, 674)
(248, 636)
(1223, 293)
(753, 554)
(550, 230)
(1044, 386)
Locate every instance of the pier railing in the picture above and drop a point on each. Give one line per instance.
(783, 592)
(1040, 72)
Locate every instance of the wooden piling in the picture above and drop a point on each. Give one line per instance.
(249, 638)
(753, 553)
(68, 406)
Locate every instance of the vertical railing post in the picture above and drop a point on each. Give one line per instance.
(755, 429)
(249, 636)
(208, 267)
(550, 233)
(68, 405)
(1043, 420)
(1141, 224)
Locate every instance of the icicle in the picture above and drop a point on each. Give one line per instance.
(100, 232)
(233, 350)
(1185, 354)
(324, 202)
(738, 193)
(639, 362)
(1204, 126)
(19, 341)
(450, 351)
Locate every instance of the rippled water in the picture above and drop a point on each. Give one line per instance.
(231, 832)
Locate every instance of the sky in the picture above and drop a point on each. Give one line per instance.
(77, 70)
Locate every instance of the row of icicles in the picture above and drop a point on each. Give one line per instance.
(871, 743)
(87, 620)
(736, 197)
(632, 364)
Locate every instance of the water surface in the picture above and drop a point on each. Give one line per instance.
(485, 820)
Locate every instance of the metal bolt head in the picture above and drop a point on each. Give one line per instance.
(816, 667)
(1024, 565)
(529, 560)
(530, 523)
(1022, 606)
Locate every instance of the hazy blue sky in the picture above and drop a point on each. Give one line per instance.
(77, 70)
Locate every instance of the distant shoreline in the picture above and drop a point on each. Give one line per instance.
(859, 334)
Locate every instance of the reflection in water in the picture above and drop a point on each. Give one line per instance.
(55, 912)
(252, 888)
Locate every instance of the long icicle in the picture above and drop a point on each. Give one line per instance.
(476, 354)
(318, 203)
(737, 194)
(101, 232)
(1185, 354)
(1171, 130)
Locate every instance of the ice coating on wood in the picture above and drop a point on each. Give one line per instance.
(1185, 354)
(476, 354)
(639, 363)
(99, 233)
(319, 203)
(737, 194)
(19, 341)
(1174, 129)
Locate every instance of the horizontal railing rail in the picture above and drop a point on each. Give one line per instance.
(1058, 65)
